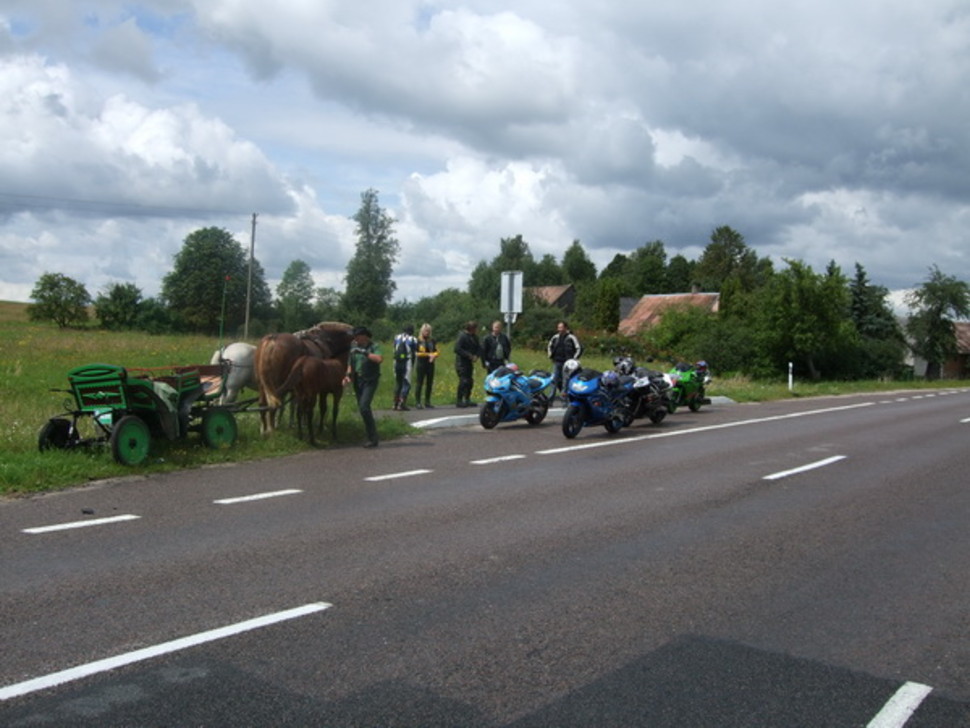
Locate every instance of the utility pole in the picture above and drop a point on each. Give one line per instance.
(249, 284)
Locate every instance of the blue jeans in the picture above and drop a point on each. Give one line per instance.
(365, 392)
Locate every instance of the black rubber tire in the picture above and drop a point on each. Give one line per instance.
(572, 421)
(54, 435)
(488, 415)
(537, 412)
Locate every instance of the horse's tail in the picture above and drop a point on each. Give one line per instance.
(293, 379)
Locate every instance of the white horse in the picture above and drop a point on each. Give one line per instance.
(242, 373)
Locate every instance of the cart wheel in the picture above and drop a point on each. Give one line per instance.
(130, 440)
(55, 435)
(218, 428)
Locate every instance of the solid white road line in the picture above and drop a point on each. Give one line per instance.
(901, 706)
(694, 430)
(403, 474)
(256, 496)
(803, 468)
(82, 524)
(147, 653)
(500, 459)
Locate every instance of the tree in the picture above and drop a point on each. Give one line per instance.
(933, 306)
(881, 343)
(548, 272)
(117, 307)
(60, 299)
(486, 280)
(680, 274)
(649, 268)
(576, 265)
(210, 270)
(294, 296)
(803, 316)
(729, 256)
(369, 284)
(329, 305)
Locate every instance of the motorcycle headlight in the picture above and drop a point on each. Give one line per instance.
(494, 383)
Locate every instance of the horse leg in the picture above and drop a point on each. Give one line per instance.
(336, 408)
(323, 413)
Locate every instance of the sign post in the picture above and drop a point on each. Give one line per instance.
(511, 299)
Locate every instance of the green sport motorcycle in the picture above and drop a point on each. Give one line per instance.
(688, 382)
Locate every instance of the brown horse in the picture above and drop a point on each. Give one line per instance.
(277, 353)
(310, 379)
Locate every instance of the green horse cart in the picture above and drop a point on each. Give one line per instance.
(130, 406)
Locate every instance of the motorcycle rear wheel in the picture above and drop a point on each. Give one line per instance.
(614, 425)
(537, 412)
(572, 421)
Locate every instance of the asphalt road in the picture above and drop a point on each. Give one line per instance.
(800, 563)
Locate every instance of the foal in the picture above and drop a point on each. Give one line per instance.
(309, 379)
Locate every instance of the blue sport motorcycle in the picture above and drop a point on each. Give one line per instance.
(510, 394)
(597, 399)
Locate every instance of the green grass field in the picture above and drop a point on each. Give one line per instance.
(35, 358)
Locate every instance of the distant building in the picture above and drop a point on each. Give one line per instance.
(956, 367)
(562, 297)
(647, 312)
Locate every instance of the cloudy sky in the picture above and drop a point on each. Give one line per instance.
(819, 130)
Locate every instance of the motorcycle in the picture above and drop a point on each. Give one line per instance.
(596, 399)
(688, 383)
(509, 395)
(650, 390)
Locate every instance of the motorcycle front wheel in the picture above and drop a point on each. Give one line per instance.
(489, 415)
(572, 421)
(657, 416)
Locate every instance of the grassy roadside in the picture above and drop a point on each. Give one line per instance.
(35, 358)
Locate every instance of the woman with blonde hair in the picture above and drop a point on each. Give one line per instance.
(427, 352)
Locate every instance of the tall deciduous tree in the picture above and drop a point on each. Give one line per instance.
(369, 283)
(577, 266)
(934, 305)
(60, 299)
(486, 280)
(294, 296)
(212, 268)
(728, 256)
(118, 306)
(803, 315)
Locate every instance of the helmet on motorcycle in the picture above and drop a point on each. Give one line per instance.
(610, 379)
(624, 365)
(512, 367)
(701, 366)
(569, 368)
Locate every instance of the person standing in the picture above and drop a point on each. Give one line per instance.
(496, 348)
(427, 352)
(405, 348)
(467, 352)
(364, 371)
(562, 347)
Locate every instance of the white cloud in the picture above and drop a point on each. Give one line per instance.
(823, 131)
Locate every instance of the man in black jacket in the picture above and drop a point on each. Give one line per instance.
(496, 348)
(467, 352)
(562, 347)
